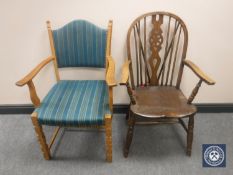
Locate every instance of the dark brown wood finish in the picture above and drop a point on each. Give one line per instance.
(129, 137)
(162, 32)
(156, 46)
(159, 101)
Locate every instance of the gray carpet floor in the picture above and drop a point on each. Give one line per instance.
(156, 150)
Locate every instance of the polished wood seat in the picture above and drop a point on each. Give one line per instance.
(161, 101)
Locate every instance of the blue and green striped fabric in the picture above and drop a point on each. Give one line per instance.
(75, 103)
(80, 44)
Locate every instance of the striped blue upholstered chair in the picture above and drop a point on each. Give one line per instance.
(75, 103)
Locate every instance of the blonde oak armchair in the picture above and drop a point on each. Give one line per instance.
(156, 47)
(75, 103)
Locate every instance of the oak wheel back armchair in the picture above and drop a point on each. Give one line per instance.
(156, 47)
(75, 103)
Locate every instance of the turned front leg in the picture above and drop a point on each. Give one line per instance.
(190, 135)
(41, 137)
(129, 136)
(108, 130)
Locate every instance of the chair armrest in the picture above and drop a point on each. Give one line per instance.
(199, 72)
(110, 75)
(34, 72)
(125, 73)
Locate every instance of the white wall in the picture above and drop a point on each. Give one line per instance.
(24, 41)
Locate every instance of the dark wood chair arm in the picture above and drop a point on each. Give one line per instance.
(201, 75)
(34, 72)
(110, 75)
(199, 72)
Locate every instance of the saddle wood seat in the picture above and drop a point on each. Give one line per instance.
(161, 101)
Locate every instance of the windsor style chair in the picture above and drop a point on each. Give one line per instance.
(75, 103)
(156, 47)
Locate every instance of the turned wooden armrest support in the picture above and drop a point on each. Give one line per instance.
(28, 80)
(110, 75)
(34, 72)
(199, 72)
(201, 75)
(194, 92)
(125, 81)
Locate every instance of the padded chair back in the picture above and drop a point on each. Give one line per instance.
(156, 45)
(80, 44)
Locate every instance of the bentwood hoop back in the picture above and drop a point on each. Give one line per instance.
(156, 45)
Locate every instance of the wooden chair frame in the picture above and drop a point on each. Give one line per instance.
(111, 82)
(127, 79)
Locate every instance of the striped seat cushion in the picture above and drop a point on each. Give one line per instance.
(80, 44)
(75, 103)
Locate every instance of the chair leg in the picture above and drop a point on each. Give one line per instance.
(129, 136)
(40, 136)
(108, 130)
(127, 116)
(190, 135)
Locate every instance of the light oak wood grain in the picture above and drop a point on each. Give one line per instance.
(50, 33)
(33, 95)
(110, 76)
(40, 136)
(108, 130)
(110, 80)
(34, 72)
(125, 73)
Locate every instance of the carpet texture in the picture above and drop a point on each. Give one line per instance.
(156, 150)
